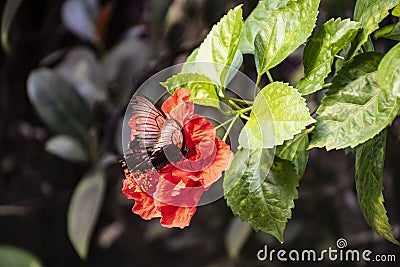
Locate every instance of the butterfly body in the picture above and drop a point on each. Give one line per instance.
(157, 140)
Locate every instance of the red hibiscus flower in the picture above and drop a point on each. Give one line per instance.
(174, 191)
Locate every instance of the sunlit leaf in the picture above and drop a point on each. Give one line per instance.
(279, 113)
(202, 89)
(66, 147)
(187, 66)
(268, 206)
(389, 71)
(84, 210)
(221, 47)
(320, 51)
(396, 11)
(369, 14)
(285, 30)
(255, 21)
(237, 235)
(57, 103)
(7, 17)
(295, 151)
(82, 71)
(391, 31)
(370, 158)
(17, 257)
(355, 108)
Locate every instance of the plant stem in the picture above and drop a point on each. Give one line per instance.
(226, 113)
(230, 127)
(225, 96)
(244, 116)
(242, 101)
(339, 57)
(231, 102)
(309, 130)
(327, 85)
(244, 110)
(271, 80)
(224, 123)
(257, 84)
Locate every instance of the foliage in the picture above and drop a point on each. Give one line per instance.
(261, 196)
(6, 20)
(16, 257)
(361, 102)
(332, 37)
(354, 101)
(369, 171)
(286, 120)
(284, 31)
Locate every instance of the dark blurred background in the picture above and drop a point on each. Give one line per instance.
(120, 44)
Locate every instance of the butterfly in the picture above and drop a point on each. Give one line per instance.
(158, 140)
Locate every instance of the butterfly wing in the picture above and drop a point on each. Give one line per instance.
(169, 146)
(171, 133)
(148, 122)
(157, 140)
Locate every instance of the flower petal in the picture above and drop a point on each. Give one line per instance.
(178, 190)
(178, 106)
(198, 128)
(145, 208)
(173, 216)
(221, 162)
(208, 156)
(144, 203)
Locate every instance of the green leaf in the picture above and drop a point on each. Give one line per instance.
(340, 61)
(202, 89)
(295, 151)
(66, 147)
(391, 31)
(279, 113)
(369, 14)
(221, 46)
(389, 71)
(237, 235)
(191, 59)
(84, 210)
(58, 104)
(396, 11)
(123, 64)
(320, 52)
(260, 162)
(285, 30)
(355, 109)
(9, 11)
(255, 21)
(370, 158)
(11, 256)
(83, 72)
(268, 206)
